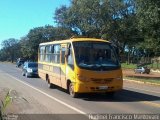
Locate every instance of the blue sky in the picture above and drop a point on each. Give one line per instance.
(17, 17)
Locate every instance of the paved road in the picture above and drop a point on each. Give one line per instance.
(134, 98)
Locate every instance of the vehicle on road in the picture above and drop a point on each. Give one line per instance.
(20, 62)
(30, 69)
(80, 65)
(142, 70)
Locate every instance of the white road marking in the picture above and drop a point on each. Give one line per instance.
(57, 100)
(75, 109)
(143, 90)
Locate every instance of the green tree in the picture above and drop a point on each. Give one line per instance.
(148, 14)
(121, 27)
(80, 17)
(113, 20)
(30, 43)
(10, 49)
(3, 55)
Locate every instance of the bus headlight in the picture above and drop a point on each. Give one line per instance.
(82, 78)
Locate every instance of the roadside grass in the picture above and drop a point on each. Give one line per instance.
(133, 66)
(145, 80)
(5, 103)
(128, 66)
(9, 97)
(154, 66)
(1, 117)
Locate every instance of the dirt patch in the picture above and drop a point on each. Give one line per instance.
(16, 102)
(130, 73)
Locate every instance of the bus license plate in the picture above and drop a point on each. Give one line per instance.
(103, 87)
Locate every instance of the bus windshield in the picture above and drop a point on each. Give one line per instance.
(99, 56)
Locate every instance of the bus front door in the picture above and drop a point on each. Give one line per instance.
(63, 65)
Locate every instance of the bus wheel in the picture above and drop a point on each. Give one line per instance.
(71, 90)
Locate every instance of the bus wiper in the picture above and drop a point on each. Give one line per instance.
(96, 66)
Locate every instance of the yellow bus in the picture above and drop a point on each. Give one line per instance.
(80, 65)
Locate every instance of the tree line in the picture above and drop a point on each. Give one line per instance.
(132, 25)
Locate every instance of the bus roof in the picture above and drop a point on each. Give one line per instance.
(73, 40)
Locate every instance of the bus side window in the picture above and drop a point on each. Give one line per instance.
(52, 53)
(70, 60)
(48, 53)
(63, 50)
(41, 53)
(56, 53)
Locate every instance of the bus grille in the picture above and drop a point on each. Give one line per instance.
(102, 81)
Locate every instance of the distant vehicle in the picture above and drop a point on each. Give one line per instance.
(30, 69)
(142, 70)
(20, 62)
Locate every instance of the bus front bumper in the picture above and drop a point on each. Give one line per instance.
(99, 88)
